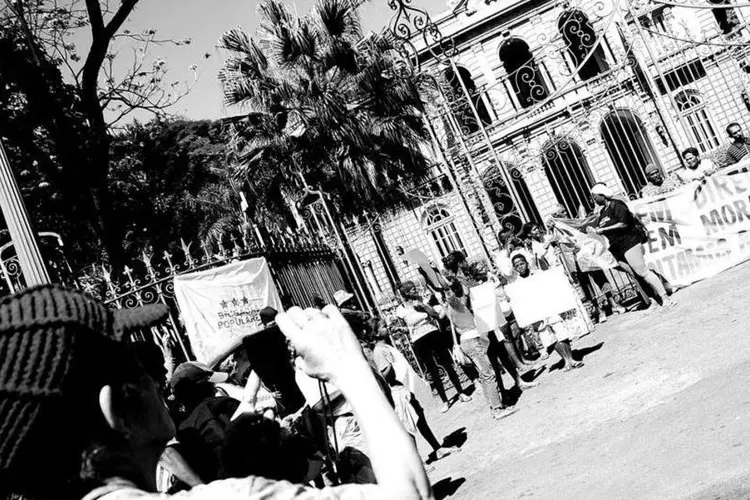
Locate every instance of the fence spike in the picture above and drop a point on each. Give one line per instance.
(186, 250)
(168, 257)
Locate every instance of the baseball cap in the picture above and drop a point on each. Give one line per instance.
(268, 315)
(341, 297)
(194, 372)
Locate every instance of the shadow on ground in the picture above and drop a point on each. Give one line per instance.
(578, 355)
(456, 438)
(447, 487)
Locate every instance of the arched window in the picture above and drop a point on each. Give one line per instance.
(523, 72)
(629, 147)
(693, 111)
(460, 104)
(569, 175)
(506, 208)
(726, 17)
(442, 228)
(581, 40)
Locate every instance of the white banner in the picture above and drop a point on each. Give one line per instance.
(220, 306)
(542, 295)
(701, 229)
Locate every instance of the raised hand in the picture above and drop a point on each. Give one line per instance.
(324, 341)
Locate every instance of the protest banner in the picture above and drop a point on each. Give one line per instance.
(542, 295)
(488, 313)
(222, 305)
(701, 229)
(591, 250)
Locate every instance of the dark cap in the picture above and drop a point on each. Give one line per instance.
(268, 315)
(57, 347)
(194, 372)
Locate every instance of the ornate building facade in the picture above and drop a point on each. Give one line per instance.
(533, 101)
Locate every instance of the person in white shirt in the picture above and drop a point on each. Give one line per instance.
(539, 245)
(553, 331)
(428, 342)
(474, 344)
(696, 169)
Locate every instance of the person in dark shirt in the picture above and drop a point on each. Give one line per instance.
(201, 433)
(626, 236)
(739, 148)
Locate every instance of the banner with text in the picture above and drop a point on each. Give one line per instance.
(700, 229)
(220, 306)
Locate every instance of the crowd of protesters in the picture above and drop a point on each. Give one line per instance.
(335, 405)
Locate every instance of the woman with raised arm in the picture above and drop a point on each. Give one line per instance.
(430, 347)
(626, 238)
(79, 411)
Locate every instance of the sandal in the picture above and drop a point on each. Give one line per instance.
(501, 413)
(575, 365)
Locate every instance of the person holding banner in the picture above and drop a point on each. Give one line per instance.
(539, 245)
(554, 331)
(696, 169)
(738, 149)
(486, 298)
(589, 257)
(658, 182)
(626, 236)
(475, 347)
(427, 342)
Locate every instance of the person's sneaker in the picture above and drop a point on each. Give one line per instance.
(441, 453)
(619, 310)
(668, 303)
(523, 385)
(501, 413)
(444, 408)
(464, 398)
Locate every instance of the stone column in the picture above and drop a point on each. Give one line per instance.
(17, 220)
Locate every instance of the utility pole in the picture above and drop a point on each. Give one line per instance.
(17, 220)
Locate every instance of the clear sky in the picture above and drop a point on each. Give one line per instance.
(204, 21)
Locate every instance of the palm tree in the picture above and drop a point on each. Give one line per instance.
(218, 203)
(320, 105)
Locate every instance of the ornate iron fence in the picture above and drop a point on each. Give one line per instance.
(303, 269)
(53, 252)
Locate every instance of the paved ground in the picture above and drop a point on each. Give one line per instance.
(661, 410)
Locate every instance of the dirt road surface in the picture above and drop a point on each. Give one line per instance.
(661, 410)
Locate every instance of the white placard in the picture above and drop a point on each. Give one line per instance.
(542, 295)
(488, 313)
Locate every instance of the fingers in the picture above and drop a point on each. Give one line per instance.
(334, 314)
(288, 325)
(299, 316)
(314, 313)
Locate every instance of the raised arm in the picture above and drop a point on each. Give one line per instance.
(173, 462)
(504, 264)
(330, 352)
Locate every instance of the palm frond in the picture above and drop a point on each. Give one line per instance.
(338, 18)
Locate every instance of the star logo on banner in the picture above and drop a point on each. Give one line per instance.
(245, 300)
(235, 302)
(223, 304)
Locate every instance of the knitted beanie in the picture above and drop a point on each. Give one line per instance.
(57, 346)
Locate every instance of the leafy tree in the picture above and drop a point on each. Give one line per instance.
(82, 125)
(318, 101)
(42, 143)
(170, 180)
